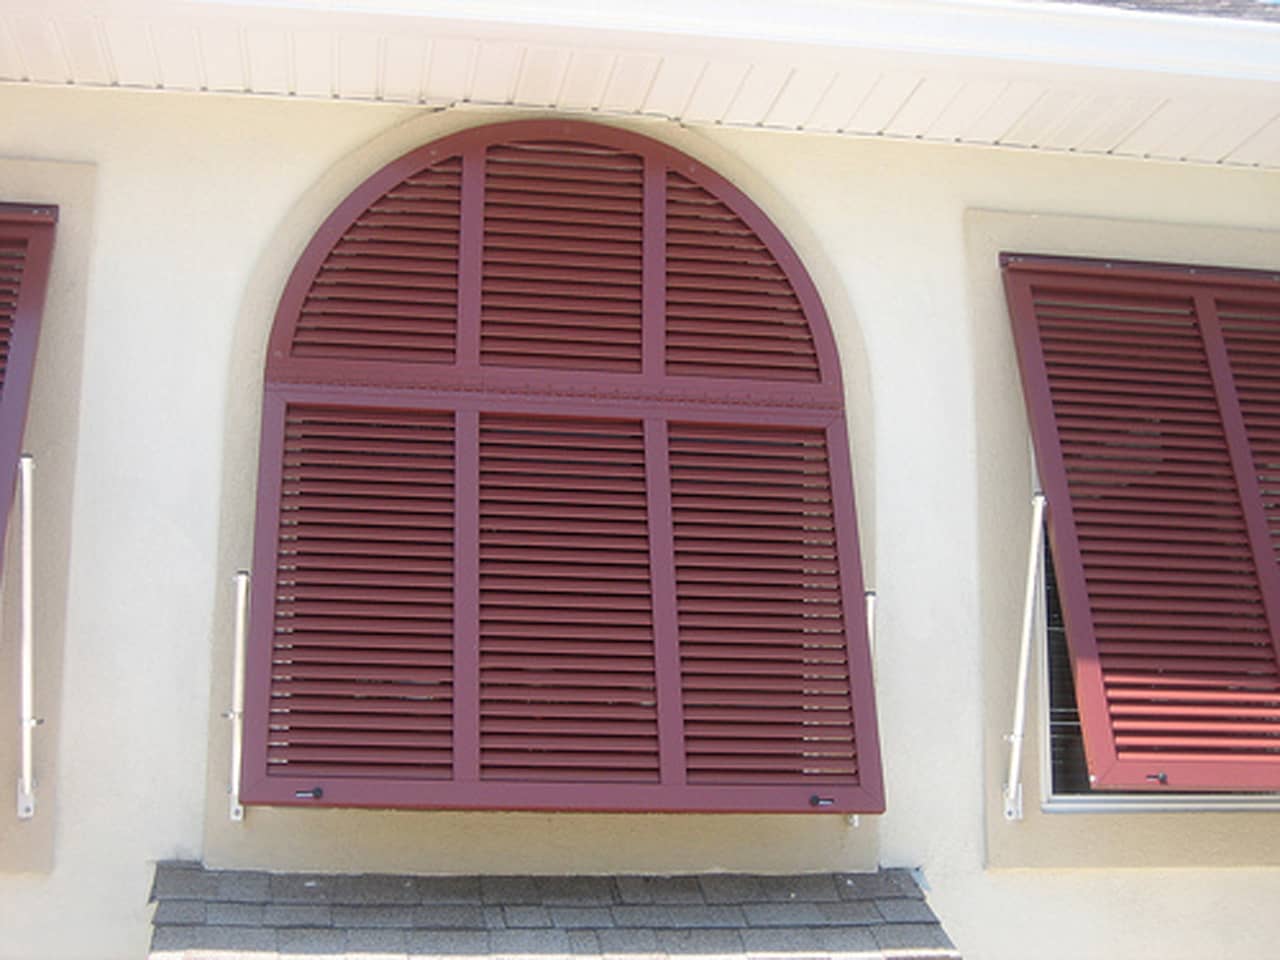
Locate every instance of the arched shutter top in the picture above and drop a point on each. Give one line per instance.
(555, 256)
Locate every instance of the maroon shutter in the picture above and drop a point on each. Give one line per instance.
(361, 654)
(606, 554)
(26, 251)
(763, 644)
(731, 309)
(563, 239)
(1155, 439)
(567, 686)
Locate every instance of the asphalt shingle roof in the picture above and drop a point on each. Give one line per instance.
(264, 916)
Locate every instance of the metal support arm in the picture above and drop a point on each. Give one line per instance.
(1013, 785)
(236, 713)
(27, 719)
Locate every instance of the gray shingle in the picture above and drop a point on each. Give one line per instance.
(903, 910)
(448, 889)
(526, 916)
(636, 915)
(730, 888)
(785, 940)
(449, 916)
(214, 938)
(297, 915)
(375, 888)
(633, 889)
(849, 912)
(182, 881)
(793, 914)
(178, 911)
(379, 941)
(299, 888)
(843, 940)
(675, 890)
(513, 890)
(905, 935)
(575, 891)
(312, 940)
(627, 941)
(448, 943)
(236, 914)
(584, 943)
(871, 886)
(703, 915)
(700, 941)
(242, 886)
(816, 888)
(569, 918)
(375, 915)
(529, 941)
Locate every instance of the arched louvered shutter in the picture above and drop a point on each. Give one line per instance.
(1152, 399)
(556, 509)
(26, 251)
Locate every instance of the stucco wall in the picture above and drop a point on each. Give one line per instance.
(200, 205)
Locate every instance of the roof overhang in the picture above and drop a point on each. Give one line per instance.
(1014, 73)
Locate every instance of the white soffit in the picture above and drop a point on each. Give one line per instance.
(1014, 73)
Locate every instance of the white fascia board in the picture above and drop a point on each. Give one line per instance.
(1013, 31)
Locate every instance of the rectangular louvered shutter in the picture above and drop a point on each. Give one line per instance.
(361, 670)
(564, 237)
(525, 670)
(763, 650)
(567, 683)
(1151, 399)
(26, 253)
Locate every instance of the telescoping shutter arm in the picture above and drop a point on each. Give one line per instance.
(1013, 785)
(236, 713)
(27, 719)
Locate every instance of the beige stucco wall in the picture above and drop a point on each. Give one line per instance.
(200, 205)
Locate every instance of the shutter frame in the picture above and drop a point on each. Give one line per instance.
(32, 226)
(1182, 753)
(477, 390)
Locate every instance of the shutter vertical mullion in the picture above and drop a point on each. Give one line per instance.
(662, 578)
(1077, 612)
(466, 598)
(653, 322)
(852, 590)
(470, 258)
(1246, 476)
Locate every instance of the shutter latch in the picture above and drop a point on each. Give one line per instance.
(315, 793)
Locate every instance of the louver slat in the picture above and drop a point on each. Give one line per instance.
(389, 288)
(794, 689)
(730, 308)
(559, 309)
(361, 673)
(1169, 612)
(549, 649)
